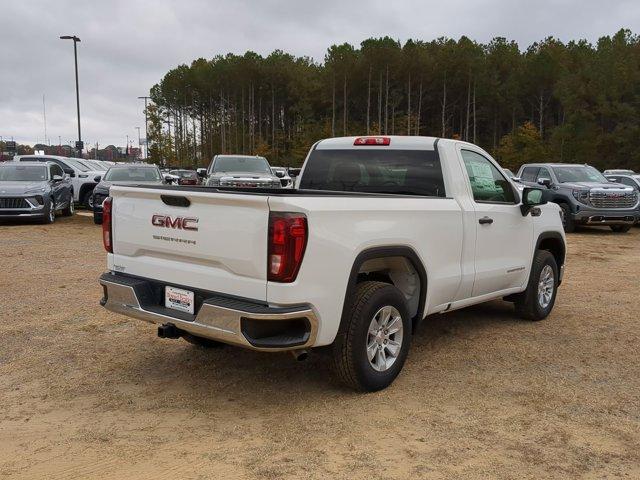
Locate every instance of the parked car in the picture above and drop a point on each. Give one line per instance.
(34, 190)
(585, 195)
(122, 174)
(382, 232)
(241, 171)
(629, 179)
(81, 175)
(186, 177)
(619, 172)
(285, 179)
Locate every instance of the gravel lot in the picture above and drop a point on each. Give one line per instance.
(90, 394)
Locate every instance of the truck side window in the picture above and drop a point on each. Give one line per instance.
(529, 174)
(543, 173)
(487, 183)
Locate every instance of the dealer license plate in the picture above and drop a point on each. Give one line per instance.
(179, 299)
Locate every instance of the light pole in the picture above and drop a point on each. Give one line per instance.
(75, 39)
(146, 128)
(139, 141)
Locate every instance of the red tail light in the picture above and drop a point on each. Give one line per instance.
(107, 234)
(372, 141)
(287, 242)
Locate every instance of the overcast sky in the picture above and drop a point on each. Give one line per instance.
(128, 45)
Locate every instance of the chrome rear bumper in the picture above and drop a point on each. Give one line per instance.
(219, 318)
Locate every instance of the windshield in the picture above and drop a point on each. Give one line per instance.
(76, 164)
(408, 172)
(23, 173)
(241, 164)
(132, 174)
(94, 165)
(579, 173)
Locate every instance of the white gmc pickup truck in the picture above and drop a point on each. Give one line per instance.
(380, 233)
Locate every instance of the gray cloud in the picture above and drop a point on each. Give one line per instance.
(127, 46)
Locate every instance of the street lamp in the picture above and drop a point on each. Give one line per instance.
(139, 142)
(75, 39)
(146, 127)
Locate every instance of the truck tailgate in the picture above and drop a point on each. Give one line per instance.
(221, 247)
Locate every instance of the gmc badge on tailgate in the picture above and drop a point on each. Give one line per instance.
(179, 223)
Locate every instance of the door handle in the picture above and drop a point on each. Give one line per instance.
(485, 220)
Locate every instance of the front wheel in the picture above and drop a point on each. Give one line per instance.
(49, 212)
(370, 353)
(86, 201)
(567, 220)
(537, 301)
(68, 212)
(620, 228)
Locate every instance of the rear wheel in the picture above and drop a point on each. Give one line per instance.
(537, 301)
(620, 228)
(369, 355)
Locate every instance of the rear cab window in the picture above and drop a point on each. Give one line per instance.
(400, 172)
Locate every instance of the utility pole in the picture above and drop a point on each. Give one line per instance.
(79, 145)
(146, 127)
(139, 141)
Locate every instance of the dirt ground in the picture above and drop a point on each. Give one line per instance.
(90, 394)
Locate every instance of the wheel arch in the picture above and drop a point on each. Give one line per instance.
(381, 253)
(84, 188)
(554, 243)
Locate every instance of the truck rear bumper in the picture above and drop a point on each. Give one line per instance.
(225, 319)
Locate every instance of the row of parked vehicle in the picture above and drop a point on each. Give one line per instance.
(585, 195)
(40, 186)
(44, 184)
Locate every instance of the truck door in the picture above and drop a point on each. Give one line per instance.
(503, 235)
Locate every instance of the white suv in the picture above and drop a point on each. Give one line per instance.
(82, 178)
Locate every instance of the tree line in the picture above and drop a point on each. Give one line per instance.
(553, 101)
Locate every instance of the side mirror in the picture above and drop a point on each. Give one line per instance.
(97, 178)
(57, 178)
(613, 180)
(544, 181)
(531, 198)
(70, 172)
(279, 173)
(516, 179)
(202, 172)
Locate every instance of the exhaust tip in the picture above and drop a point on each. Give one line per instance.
(300, 355)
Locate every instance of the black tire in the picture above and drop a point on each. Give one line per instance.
(68, 212)
(97, 218)
(86, 200)
(49, 212)
(200, 341)
(528, 304)
(620, 228)
(350, 362)
(567, 220)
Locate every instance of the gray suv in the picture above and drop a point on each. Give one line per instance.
(34, 190)
(585, 195)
